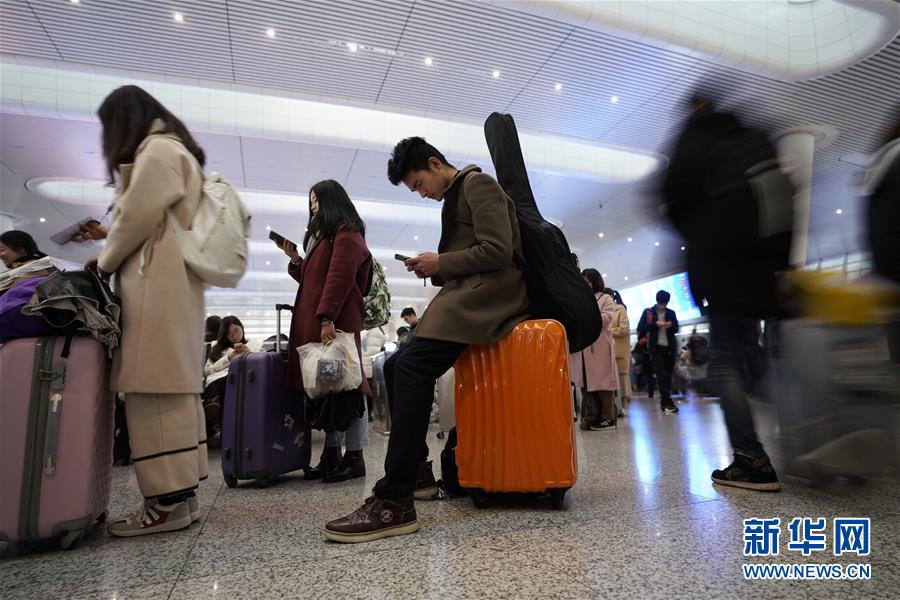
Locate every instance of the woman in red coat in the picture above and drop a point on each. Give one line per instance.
(333, 279)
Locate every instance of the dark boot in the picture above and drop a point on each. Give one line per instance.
(331, 457)
(351, 467)
(374, 520)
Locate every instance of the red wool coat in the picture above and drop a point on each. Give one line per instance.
(333, 280)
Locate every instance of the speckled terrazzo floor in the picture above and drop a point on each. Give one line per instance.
(644, 521)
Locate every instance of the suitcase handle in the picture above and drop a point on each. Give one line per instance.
(52, 434)
(278, 309)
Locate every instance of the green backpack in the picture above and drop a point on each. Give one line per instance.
(377, 300)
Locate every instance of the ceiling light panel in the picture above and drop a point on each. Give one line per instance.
(97, 193)
(47, 91)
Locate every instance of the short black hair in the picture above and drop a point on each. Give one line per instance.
(213, 324)
(409, 311)
(409, 155)
(402, 330)
(663, 297)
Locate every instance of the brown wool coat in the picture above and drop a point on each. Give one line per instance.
(163, 313)
(483, 294)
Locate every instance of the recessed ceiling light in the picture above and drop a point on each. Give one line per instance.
(656, 243)
(270, 32)
(352, 47)
(415, 237)
(558, 87)
(495, 74)
(626, 278)
(629, 239)
(839, 211)
(682, 248)
(268, 263)
(429, 60)
(603, 275)
(614, 99)
(600, 234)
(268, 228)
(178, 17)
(74, 1)
(43, 220)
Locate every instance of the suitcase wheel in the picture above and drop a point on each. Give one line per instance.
(557, 498)
(231, 481)
(479, 499)
(71, 538)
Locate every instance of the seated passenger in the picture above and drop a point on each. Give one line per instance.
(482, 298)
(230, 344)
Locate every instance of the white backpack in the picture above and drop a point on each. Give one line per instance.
(215, 247)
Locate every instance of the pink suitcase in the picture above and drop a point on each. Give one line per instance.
(56, 428)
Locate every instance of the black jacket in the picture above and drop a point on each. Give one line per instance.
(651, 330)
(733, 279)
(883, 186)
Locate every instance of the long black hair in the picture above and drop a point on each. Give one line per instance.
(616, 296)
(595, 279)
(223, 343)
(335, 210)
(127, 115)
(22, 241)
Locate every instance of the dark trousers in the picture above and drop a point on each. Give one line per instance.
(663, 358)
(410, 375)
(736, 368)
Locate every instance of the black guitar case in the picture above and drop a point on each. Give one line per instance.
(555, 287)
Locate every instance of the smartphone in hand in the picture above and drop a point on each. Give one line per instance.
(278, 239)
(401, 258)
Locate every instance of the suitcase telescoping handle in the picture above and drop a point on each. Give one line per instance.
(278, 309)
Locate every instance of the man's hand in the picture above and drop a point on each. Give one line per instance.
(649, 317)
(424, 265)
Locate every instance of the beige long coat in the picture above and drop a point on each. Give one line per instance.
(620, 328)
(161, 350)
(483, 295)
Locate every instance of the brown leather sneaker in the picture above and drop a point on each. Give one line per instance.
(426, 486)
(374, 520)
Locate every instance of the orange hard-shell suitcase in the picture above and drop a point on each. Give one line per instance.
(514, 414)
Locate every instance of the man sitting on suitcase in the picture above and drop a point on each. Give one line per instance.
(482, 298)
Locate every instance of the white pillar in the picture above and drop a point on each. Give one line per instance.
(795, 152)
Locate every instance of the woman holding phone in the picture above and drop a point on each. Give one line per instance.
(159, 169)
(230, 344)
(333, 280)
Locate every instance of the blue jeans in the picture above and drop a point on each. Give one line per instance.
(355, 438)
(736, 366)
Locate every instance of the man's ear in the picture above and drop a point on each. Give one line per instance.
(435, 164)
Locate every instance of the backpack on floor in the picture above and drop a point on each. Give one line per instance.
(555, 287)
(378, 299)
(449, 469)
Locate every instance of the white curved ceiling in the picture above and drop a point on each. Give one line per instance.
(790, 40)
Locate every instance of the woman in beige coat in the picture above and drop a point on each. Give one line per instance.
(620, 329)
(159, 365)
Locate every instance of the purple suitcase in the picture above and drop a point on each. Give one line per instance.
(56, 432)
(264, 432)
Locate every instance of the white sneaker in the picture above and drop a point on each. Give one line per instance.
(152, 517)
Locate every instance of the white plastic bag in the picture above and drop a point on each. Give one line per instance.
(334, 367)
